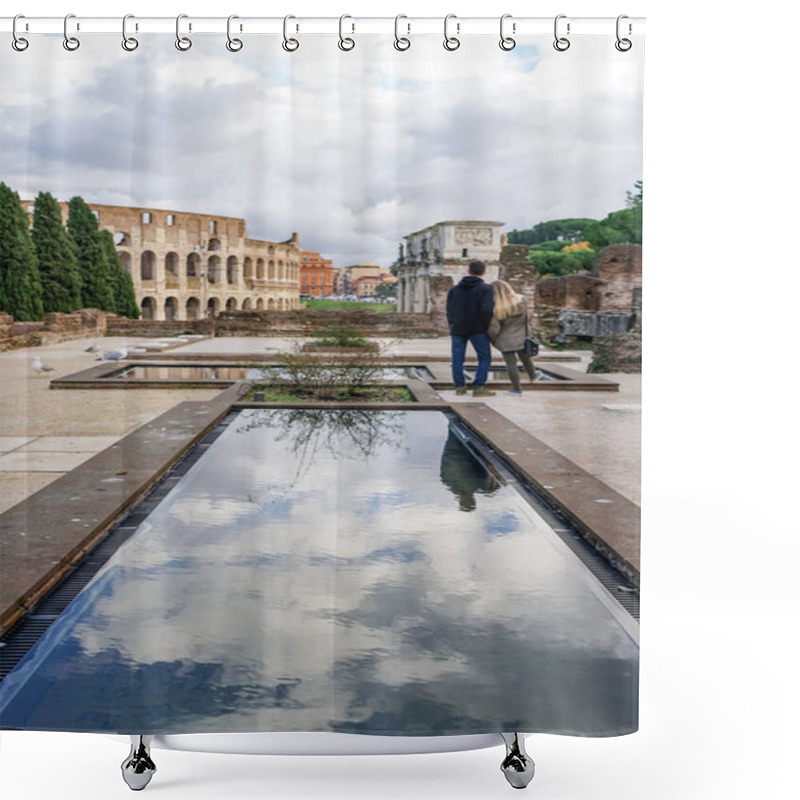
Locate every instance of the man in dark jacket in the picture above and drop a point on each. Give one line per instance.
(470, 304)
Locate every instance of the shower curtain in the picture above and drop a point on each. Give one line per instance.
(217, 169)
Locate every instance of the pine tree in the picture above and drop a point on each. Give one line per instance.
(55, 251)
(124, 293)
(97, 290)
(20, 286)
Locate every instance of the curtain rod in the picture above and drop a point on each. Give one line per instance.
(406, 25)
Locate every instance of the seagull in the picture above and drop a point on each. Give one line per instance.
(114, 355)
(92, 348)
(39, 368)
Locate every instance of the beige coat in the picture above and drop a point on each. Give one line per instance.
(508, 335)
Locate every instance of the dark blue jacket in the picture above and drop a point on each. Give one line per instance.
(470, 305)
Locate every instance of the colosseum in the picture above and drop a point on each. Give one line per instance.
(189, 266)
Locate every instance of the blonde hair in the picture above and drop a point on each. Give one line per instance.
(507, 303)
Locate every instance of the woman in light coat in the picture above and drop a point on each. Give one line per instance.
(507, 332)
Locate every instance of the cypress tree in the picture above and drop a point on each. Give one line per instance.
(20, 287)
(96, 290)
(124, 293)
(55, 250)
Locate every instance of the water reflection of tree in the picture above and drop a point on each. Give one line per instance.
(337, 432)
(463, 474)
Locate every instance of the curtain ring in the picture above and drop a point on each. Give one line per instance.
(561, 43)
(18, 42)
(289, 45)
(451, 42)
(623, 45)
(181, 42)
(345, 42)
(70, 42)
(129, 43)
(234, 45)
(506, 42)
(401, 42)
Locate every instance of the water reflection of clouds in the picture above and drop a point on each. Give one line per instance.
(357, 585)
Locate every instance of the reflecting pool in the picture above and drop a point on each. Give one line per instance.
(347, 571)
(224, 372)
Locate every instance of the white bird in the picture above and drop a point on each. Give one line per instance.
(92, 348)
(114, 355)
(39, 368)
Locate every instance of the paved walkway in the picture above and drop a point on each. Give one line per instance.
(46, 433)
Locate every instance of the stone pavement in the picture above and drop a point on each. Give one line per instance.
(46, 433)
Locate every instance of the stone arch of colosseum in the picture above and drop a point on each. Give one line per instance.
(193, 308)
(171, 308)
(149, 308)
(147, 266)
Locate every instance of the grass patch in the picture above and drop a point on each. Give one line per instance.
(362, 394)
(338, 305)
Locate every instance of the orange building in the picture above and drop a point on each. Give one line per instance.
(316, 274)
(365, 285)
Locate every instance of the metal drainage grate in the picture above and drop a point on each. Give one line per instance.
(20, 639)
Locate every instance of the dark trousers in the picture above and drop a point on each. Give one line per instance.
(483, 348)
(510, 357)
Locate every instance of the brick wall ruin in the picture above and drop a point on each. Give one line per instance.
(304, 323)
(54, 328)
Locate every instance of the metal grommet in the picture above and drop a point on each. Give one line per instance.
(128, 42)
(19, 43)
(234, 45)
(623, 45)
(506, 42)
(451, 42)
(561, 43)
(70, 42)
(401, 43)
(345, 42)
(183, 43)
(289, 45)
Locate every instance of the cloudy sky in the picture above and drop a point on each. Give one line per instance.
(351, 150)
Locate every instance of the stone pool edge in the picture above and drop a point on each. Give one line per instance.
(606, 519)
(49, 532)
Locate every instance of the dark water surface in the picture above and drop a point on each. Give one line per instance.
(350, 571)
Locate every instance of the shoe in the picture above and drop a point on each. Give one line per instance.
(514, 392)
(461, 389)
(482, 391)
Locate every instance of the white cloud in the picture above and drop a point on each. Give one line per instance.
(351, 150)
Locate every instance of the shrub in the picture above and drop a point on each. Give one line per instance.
(343, 334)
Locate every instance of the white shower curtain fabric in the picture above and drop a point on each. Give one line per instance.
(351, 151)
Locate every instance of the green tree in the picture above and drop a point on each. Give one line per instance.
(619, 227)
(20, 285)
(55, 251)
(97, 290)
(124, 294)
(549, 263)
(634, 199)
(386, 290)
(563, 230)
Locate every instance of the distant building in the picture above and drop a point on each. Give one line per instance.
(189, 266)
(338, 280)
(444, 249)
(365, 285)
(316, 275)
